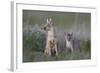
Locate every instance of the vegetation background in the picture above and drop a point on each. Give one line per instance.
(34, 39)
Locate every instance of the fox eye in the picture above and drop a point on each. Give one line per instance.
(44, 28)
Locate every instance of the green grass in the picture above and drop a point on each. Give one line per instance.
(34, 45)
(39, 56)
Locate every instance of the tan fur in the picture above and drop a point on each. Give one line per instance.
(51, 47)
(50, 42)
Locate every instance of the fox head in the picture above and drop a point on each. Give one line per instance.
(48, 25)
(68, 36)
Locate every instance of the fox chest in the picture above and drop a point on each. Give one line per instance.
(68, 44)
(50, 35)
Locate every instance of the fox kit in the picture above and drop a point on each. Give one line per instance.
(69, 41)
(51, 46)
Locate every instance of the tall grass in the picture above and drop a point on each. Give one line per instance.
(34, 45)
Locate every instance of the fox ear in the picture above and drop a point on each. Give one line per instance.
(50, 19)
(71, 33)
(47, 20)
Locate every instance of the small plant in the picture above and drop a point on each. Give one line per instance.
(86, 46)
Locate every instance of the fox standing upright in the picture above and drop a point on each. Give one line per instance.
(51, 43)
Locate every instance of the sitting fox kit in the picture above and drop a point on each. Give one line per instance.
(51, 46)
(69, 41)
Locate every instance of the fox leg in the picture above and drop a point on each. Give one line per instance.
(72, 49)
(56, 50)
(49, 52)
